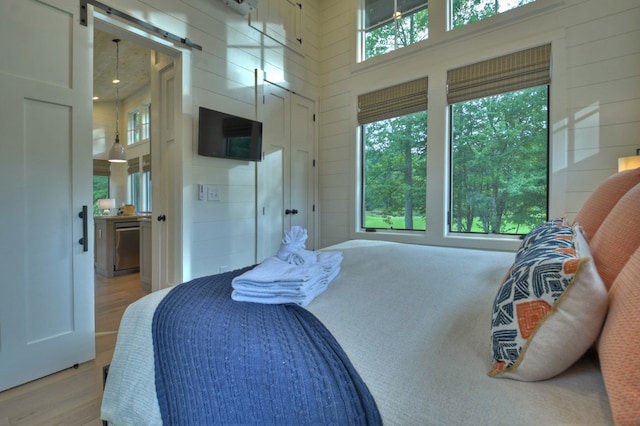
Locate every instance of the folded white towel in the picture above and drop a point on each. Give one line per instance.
(300, 257)
(276, 281)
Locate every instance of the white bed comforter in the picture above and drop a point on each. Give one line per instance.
(414, 320)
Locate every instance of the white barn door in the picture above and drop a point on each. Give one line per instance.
(287, 177)
(167, 204)
(46, 294)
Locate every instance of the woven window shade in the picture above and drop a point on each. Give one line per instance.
(520, 70)
(146, 163)
(133, 165)
(101, 168)
(394, 101)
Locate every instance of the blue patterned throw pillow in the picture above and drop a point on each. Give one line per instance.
(545, 231)
(550, 307)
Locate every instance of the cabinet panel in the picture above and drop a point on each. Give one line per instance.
(280, 20)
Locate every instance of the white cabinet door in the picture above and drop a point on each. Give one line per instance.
(46, 294)
(273, 181)
(302, 176)
(287, 175)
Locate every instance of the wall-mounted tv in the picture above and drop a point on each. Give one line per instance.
(228, 136)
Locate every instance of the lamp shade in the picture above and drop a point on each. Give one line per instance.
(106, 204)
(117, 154)
(627, 163)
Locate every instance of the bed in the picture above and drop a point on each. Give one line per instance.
(415, 323)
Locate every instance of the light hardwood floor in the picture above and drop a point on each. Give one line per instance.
(73, 396)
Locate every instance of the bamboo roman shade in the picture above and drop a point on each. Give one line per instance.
(133, 165)
(146, 163)
(394, 101)
(519, 70)
(101, 168)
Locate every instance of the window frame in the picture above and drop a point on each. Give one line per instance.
(396, 16)
(449, 216)
(387, 103)
(133, 128)
(450, 17)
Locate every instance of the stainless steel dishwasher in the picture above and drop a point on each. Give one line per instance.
(127, 247)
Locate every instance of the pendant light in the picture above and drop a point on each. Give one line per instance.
(117, 154)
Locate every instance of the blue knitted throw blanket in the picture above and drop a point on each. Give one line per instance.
(218, 361)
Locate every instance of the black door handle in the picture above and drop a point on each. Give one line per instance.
(84, 241)
(294, 211)
(162, 218)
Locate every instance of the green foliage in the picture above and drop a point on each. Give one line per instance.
(395, 168)
(467, 11)
(499, 162)
(396, 33)
(100, 190)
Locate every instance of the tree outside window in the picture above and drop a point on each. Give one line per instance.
(100, 190)
(392, 24)
(464, 12)
(499, 150)
(394, 175)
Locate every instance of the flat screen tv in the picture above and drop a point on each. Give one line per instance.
(228, 136)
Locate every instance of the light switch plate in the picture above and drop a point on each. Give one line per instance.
(214, 193)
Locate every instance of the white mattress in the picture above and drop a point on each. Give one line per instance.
(414, 320)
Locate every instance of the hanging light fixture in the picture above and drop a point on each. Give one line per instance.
(117, 154)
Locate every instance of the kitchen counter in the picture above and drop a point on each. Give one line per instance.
(117, 244)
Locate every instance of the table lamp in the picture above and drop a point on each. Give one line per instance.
(106, 204)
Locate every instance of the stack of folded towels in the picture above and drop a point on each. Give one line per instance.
(294, 275)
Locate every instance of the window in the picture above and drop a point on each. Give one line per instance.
(146, 203)
(464, 12)
(133, 182)
(500, 143)
(394, 142)
(133, 127)
(145, 122)
(139, 124)
(389, 25)
(101, 175)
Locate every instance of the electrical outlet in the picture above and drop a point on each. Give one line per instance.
(214, 193)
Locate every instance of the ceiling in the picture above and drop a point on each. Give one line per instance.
(134, 66)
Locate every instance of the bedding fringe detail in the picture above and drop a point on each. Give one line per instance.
(294, 275)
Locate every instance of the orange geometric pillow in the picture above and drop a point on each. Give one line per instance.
(618, 237)
(619, 345)
(599, 204)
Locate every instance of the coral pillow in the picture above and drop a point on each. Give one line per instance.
(599, 204)
(619, 345)
(549, 310)
(618, 237)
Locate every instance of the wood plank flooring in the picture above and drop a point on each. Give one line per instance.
(73, 396)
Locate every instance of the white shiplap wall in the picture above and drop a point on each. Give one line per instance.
(221, 235)
(594, 106)
(595, 100)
